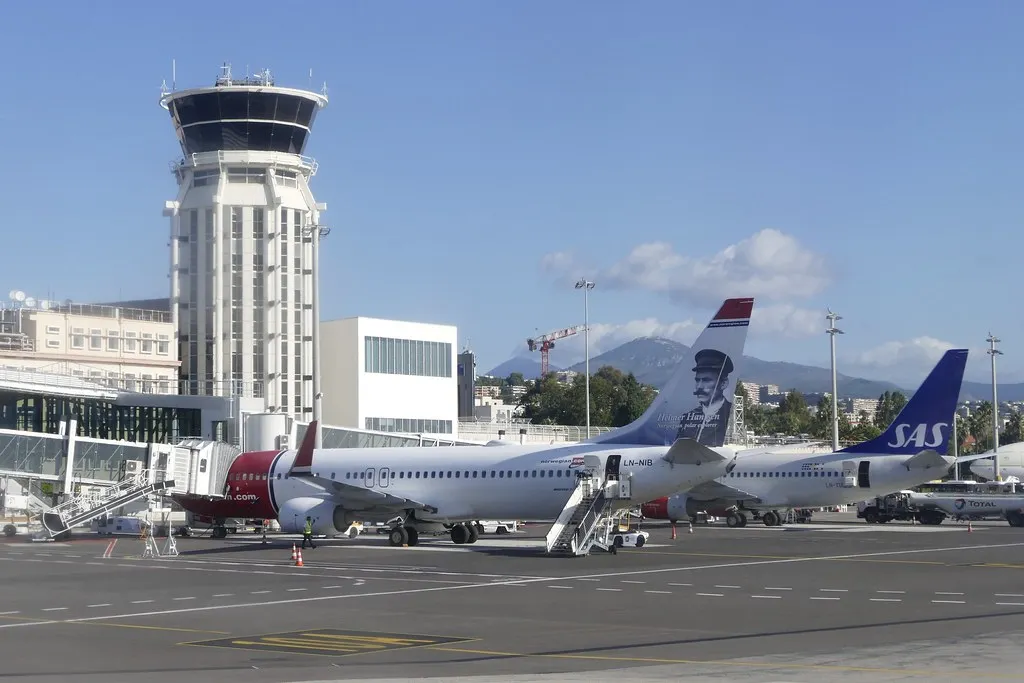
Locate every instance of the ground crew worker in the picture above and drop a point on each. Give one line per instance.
(307, 534)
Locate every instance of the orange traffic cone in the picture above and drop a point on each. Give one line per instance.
(295, 554)
(298, 559)
(673, 532)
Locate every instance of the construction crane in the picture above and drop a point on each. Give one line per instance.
(546, 342)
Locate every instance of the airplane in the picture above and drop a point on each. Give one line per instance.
(1011, 462)
(910, 452)
(439, 489)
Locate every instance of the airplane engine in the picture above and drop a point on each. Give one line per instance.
(681, 507)
(329, 519)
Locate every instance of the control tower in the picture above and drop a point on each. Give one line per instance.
(242, 240)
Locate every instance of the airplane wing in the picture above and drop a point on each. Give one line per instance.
(349, 496)
(712, 490)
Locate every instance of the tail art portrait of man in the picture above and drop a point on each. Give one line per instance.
(708, 422)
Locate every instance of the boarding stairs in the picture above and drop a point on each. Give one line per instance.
(85, 508)
(585, 514)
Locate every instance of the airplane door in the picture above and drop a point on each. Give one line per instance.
(368, 479)
(611, 467)
(385, 475)
(864, 474)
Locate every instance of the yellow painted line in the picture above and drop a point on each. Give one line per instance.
(100, 623)
(785, 557)
(329, 642)
(714, 662)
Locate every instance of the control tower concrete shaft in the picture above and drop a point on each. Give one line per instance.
(242, 232)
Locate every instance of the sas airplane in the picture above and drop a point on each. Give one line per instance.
(432, 489)
(910, 452)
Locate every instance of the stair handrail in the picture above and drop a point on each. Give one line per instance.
(573, 502)
(83, 502)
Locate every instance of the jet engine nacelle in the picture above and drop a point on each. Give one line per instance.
(682, 507)
(329, 519)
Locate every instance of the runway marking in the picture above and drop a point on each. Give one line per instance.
(140, 602)
(711, 595)
(662, 592)
(560, 587)
(189, 598)
(680, 584)
(896, 592)
(1013, 604)
(54, 609)
(522, 582)
(294, 590)
(590, 579)
(767, 597)
(223, 595)
(258, 592)
(950, 602)
(4, 614)
(617, 590)
(727, 586)
(818, 597)
(102, 604)
(327, 588)
(627, 581)
(769, 588)
(932, 673)
(885, 599)
(946, 593)
(330, 642)
(1010, 595)
(834, 590)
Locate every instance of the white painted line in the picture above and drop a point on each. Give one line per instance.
(259, 592)
(950, 602)
(680, 584)
(1008, 604)
(946, 593)
(72, 556)
(767, 597)
(294, 590)
(726, 586)
(896, 592)
(559, 586)
(327, 588)
(513, 582)
(102, 604)
(6, 613)
(769, 588)
(1010, 595)
(590, 579)
(617, 590)
(823, 598)
(54, 609)
(662, 592)
(634, 582)
(834, 590)
(711, 595)
(885, 599)
(189, 598)
(140, 602)
(223, 595)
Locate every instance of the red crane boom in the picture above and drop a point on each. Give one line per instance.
(546, 342)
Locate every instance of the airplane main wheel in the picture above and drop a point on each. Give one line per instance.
(413, 535)
(474, 535)
(732, 520)
(460, 534)
(770, 518)
(743, 520)
(398, 536)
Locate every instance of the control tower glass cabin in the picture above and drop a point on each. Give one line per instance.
(241, 243)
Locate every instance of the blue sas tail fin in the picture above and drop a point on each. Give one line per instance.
(697, 401)
(924, 423)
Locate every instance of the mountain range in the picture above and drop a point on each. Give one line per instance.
(653, 359)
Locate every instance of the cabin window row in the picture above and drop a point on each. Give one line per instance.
(790, 473)
(464, 474)
(247, 476)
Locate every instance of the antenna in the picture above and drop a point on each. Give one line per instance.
(174, 74)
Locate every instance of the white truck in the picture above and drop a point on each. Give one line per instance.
(973, 506)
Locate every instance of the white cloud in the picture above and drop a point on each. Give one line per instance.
(916, 353)
(786, 320)
(767, 265)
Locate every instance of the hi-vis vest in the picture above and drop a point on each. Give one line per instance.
(309, 527)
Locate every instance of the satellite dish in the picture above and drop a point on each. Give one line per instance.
(30, 302)
(44, 305)
(17, 295)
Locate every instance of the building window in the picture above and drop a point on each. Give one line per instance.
(130, 341)
(204, 178)
(163, 344)
(52, 344)
(95, 340)
(78, 337)
(113, 340)
(52, 329)
(408, 357)
(408, 425)
(147, 342)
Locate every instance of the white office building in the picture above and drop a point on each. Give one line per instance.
(389, 375)
(243, 227)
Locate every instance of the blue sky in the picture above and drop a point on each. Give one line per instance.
(478, 157)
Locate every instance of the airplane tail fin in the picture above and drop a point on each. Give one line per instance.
(304, 457)
(697, 401)
(925, 422)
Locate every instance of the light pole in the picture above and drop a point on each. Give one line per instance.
(832, 332)
(956, 451)
(316, 232)
(993, 351)
(586, 286)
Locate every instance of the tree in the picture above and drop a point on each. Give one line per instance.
(515, 379)
(616, 399)
(979, 425)
(821, 422)
(890, 403)
(1013, 432)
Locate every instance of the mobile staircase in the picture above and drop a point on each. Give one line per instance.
(584, 521)
(60, 519)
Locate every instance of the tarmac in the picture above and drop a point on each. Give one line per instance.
(837, 600)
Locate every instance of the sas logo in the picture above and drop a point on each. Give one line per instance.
(919, 436)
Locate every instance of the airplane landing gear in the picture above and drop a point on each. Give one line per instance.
(736, 519)
(464, 533)
(404, 535)
(771, 518)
